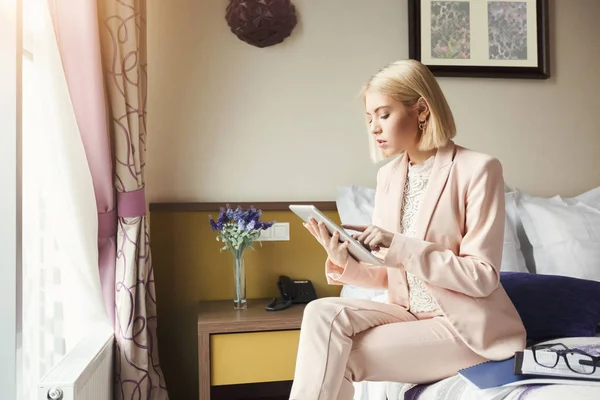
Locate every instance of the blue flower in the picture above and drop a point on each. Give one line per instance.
(229, 212)
(213, 224)
(252, 217)
(238, 214)
(238, 229)
(223, 219)
(264, 225)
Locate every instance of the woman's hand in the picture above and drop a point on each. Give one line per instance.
(336, 251)
(371, 236)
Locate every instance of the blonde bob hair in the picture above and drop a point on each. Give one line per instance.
(407, 81)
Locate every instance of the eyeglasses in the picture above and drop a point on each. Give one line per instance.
(578, 361)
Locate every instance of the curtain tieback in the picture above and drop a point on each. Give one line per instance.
(129, 205)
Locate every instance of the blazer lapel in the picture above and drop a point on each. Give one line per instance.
(396, 192)
(437, 180)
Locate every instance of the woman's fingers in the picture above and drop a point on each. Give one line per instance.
(358, 228)
(311, 230)
(312, 226)
(373, 245)
(373, 240)
(323, 231)
(365, 234)
(316, 227)
(335, 240)
(314, 230)
(336, 249)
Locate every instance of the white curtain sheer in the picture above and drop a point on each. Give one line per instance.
(62, 297)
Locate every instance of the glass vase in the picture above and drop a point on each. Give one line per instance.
(239, 280)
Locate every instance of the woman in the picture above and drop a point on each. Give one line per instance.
(438, 226)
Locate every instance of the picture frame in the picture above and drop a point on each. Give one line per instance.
(481, 38)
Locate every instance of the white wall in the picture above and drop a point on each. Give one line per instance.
(231, 122)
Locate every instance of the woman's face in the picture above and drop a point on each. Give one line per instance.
(395, 127)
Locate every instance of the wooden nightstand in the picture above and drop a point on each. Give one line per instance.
(247, 346)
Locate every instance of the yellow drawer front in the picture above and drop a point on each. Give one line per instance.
(253, 357)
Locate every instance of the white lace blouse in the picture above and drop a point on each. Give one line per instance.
(414, 188)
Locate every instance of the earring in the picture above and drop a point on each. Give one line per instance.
(422, 124)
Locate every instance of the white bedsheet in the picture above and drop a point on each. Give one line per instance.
(370, 390)
(455, 388)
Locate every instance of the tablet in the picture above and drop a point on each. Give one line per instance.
(355, 248)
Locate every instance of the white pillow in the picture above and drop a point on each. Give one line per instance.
(513, 258)
(355, 206)
(564, 233)
(357, 292)
(591, 197)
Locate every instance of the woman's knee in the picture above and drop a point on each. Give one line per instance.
(323, 310)
(319, 307)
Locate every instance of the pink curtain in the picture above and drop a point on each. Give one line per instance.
(103, 48)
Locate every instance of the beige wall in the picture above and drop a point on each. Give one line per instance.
(228, 121)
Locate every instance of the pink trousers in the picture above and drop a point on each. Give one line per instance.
(344, 340)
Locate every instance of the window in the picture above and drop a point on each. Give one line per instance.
(43, 336)
(10, 196)
(59, 224)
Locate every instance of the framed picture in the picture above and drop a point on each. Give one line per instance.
(480, 38)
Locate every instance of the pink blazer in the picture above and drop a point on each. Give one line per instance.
(457, 251)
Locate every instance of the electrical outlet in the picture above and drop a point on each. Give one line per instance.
(280, 231)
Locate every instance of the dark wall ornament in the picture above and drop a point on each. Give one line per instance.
(261, 23)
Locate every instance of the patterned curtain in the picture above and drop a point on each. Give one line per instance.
(122, 25)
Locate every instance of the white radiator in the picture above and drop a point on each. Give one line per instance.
(85, 373)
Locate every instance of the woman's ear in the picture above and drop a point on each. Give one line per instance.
(422, 108)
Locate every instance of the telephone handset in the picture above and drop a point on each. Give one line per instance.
(292, 292)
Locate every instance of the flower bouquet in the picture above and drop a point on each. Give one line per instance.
(238, 229)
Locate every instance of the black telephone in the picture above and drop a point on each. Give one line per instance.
(292, 292)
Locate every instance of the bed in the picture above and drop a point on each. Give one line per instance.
(547, 242)
(456, 388)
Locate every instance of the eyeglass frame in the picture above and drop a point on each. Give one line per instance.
(562, 353)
